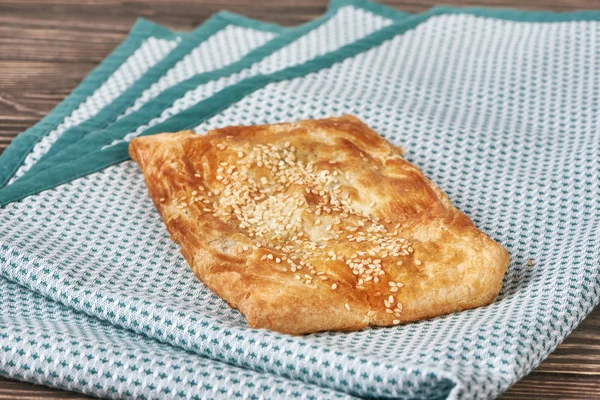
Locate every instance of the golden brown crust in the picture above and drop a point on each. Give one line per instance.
(317, 225)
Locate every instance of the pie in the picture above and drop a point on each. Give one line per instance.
(316, 225)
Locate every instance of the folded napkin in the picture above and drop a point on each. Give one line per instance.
(44, 342)
(505, 126)
(147, 63)
(146, 45)
(182, 77)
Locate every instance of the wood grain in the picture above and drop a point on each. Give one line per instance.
(48, 47)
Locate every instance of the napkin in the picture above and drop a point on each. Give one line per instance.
(504, 125)
(146, 45)
(149, 61)
(184, 71)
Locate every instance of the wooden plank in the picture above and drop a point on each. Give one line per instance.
(11, 390)
(555, 386)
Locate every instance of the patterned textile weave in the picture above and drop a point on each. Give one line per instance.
(150, 70)
(46, 343)
(506, 127)
(344, 23)
(145, 46)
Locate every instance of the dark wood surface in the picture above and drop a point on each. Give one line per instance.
(47, 47)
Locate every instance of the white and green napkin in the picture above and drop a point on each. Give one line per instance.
(498, 107)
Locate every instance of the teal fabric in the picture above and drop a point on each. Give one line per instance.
(46, 343)
(109, 113)
(14, 155)
(505, 126)
(70, 146)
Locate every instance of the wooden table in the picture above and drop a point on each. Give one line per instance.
(47, 47)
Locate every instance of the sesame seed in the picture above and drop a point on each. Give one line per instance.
(347, 306)
(418, 262)
(269, 209)
(396, 321)
(334, 286)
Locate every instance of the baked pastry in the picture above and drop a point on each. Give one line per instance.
(316, 225)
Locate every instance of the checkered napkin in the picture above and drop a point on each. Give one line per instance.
(497, 107)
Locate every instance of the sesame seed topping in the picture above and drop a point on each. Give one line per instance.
(347, 306)
(303, 211)
(418, 262)
(396, 321)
